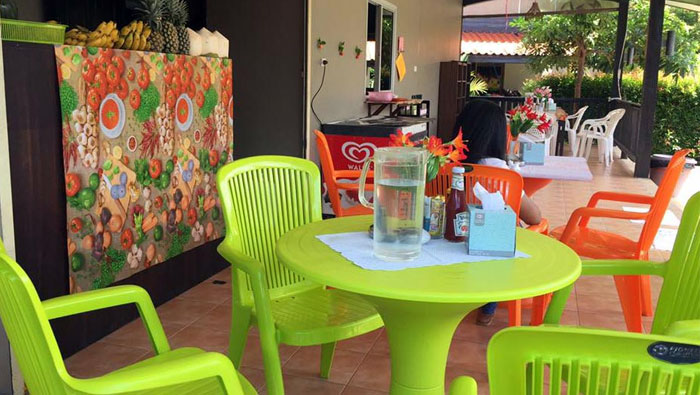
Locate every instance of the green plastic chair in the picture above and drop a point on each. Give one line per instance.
(262, 198)
(26, 320)
(556, 360)
(678, 310)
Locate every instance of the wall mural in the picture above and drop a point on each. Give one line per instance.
(143, 136)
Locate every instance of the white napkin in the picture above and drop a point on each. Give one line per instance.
(489, 201)
(357, 248)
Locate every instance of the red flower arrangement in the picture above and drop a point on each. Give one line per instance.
(524, 118)
(439, 153)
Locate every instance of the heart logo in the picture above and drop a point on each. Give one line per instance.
(357, 153)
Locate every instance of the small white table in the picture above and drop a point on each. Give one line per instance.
(567, 168)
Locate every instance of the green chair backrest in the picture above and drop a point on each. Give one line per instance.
(556, 360)
(262, 198)
(680, 294)
(29, 331)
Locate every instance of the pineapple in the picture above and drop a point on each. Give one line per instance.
(157, 41)
(152, 13)
(172, 44)
(178, 12)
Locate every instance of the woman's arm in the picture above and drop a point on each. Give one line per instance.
(529, 212)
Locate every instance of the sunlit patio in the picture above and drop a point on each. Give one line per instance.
(201, 317)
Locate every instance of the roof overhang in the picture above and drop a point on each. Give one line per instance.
(693, 5)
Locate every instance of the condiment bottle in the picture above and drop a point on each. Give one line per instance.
(456, 207)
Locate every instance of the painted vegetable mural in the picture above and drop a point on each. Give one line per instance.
(143, 136)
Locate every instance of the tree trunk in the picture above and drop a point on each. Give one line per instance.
(580, 69)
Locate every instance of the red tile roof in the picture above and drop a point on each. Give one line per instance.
(507, 44)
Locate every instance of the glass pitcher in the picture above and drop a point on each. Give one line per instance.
(399, 188)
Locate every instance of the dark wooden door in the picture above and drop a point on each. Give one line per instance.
(268, 48)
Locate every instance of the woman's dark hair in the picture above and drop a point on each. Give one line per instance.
(483, 125)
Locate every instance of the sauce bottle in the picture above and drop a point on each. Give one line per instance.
(455, 207)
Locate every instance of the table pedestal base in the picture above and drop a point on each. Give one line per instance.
(532, 185)
(419, 335)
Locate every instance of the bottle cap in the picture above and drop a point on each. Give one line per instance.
(458, 170)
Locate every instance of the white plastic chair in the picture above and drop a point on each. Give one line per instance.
(601, 129)
(571, 126)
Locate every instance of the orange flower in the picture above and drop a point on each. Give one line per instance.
(458, 142)
(456, 155)
(436, 147)
(401, 140)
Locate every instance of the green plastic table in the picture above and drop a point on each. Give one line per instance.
(422, 307)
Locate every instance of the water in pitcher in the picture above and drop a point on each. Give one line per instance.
(399, 185)
(398, 217)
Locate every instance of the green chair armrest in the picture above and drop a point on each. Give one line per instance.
(83, 302)
(263, 312)
(621, 267)
(463, 385)
(239, 260)
(690, 329)
(178, 371)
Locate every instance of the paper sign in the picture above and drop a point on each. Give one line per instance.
(401, 67)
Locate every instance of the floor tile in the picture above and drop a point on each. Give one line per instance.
(362, 343)
(255, 376)
(599, 304)
(349, 390)
(374, 373)
(306, 362)
(200, 337)
(467, 354)
(209, 292)
(308, 386)
(134, 334)
(101, 358)
(183, 311)
(219, 318)
(252, 356)
(602, 320)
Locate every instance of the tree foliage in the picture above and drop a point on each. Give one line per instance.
(557, 41)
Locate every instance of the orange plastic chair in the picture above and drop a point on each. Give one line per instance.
(510, 184)
(634, 291)
(331, 176)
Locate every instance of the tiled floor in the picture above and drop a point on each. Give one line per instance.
(200, 317)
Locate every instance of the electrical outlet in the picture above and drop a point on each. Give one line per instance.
(324, 62)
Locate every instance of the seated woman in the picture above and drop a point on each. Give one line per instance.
(483, 125)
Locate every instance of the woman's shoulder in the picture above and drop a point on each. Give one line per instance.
(494, 162)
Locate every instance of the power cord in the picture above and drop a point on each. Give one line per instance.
(324, 63)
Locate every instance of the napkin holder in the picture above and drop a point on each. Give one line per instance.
(533, 149)
(490, 232)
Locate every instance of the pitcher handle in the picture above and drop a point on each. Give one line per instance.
(363, 179)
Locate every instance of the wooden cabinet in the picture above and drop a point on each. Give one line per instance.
(453, 95)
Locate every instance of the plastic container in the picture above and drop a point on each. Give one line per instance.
(658, 165)
(32, 32)
(380, 96)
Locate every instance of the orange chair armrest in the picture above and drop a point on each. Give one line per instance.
(542, 227)
(351, 174)
(619, 197)
(580, 217)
